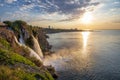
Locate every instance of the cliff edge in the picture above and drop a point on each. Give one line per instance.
(22, 50)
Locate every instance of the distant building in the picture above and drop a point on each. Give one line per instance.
(49, 27)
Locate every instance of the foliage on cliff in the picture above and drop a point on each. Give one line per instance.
(15, 64)
(21, 27)
(42, 38)
(16, 67)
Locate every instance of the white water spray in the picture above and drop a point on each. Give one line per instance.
(36, 45)
(37, 48)
(21, 40)
(32, 52)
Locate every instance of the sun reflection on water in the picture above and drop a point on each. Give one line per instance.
(85, 36)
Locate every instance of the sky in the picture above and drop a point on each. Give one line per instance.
(81, 14)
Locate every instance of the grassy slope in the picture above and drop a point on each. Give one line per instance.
(8, 61)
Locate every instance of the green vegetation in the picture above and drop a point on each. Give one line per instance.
(29, 42)
(49, 76)
(13, 58)
(17, 26)
(8, 59)
(7, 56)
(4, 44)
(17, 23)
(7, 73)
(8, 23)
(21, 27)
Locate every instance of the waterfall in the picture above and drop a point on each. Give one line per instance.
(37, 48)
(36, 45)
(32, 52)
(17, 41)
(21, 40)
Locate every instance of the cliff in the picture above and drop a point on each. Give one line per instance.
(42, 39)
(21, 53)
(26, 33)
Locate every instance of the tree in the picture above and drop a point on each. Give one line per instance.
(8, 23)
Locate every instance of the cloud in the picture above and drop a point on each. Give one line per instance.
(17, 15)
(75, 8)
(65, 10)
(25, 7)
(71, 7)
(49, 17)
(116, 2)
(116, 21)
(1, 5)
(115, 18)
(10, 1)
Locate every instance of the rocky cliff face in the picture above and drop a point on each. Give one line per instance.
(42, 39)
(21, 52)
(8, 35)
(26, 34)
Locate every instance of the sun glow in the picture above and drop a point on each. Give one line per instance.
(87, 18)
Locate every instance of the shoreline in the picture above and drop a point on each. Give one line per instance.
(52, 30)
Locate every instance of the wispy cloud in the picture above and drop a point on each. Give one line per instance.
(10, 1)
(1, 5)
(26, 7)
(116, 21)
(116, 2)
(65, 10)
(17, 15)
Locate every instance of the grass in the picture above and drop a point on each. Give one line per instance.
(7, 73)
(8, 56)
(4, 44)
(13, 58)
(49, 76)
(8, 59)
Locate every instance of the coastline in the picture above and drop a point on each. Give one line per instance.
(52, 30)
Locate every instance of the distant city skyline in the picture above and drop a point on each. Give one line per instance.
(80, 14)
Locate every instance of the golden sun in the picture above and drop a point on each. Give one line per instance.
(87, 18)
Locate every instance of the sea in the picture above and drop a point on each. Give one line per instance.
(86, 55)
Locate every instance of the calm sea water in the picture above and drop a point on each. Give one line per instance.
(86, 55)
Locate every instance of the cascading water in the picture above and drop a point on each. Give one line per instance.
(32, 52)
(21, 40)
(37, 48)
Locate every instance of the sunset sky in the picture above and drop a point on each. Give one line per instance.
(81, 14)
